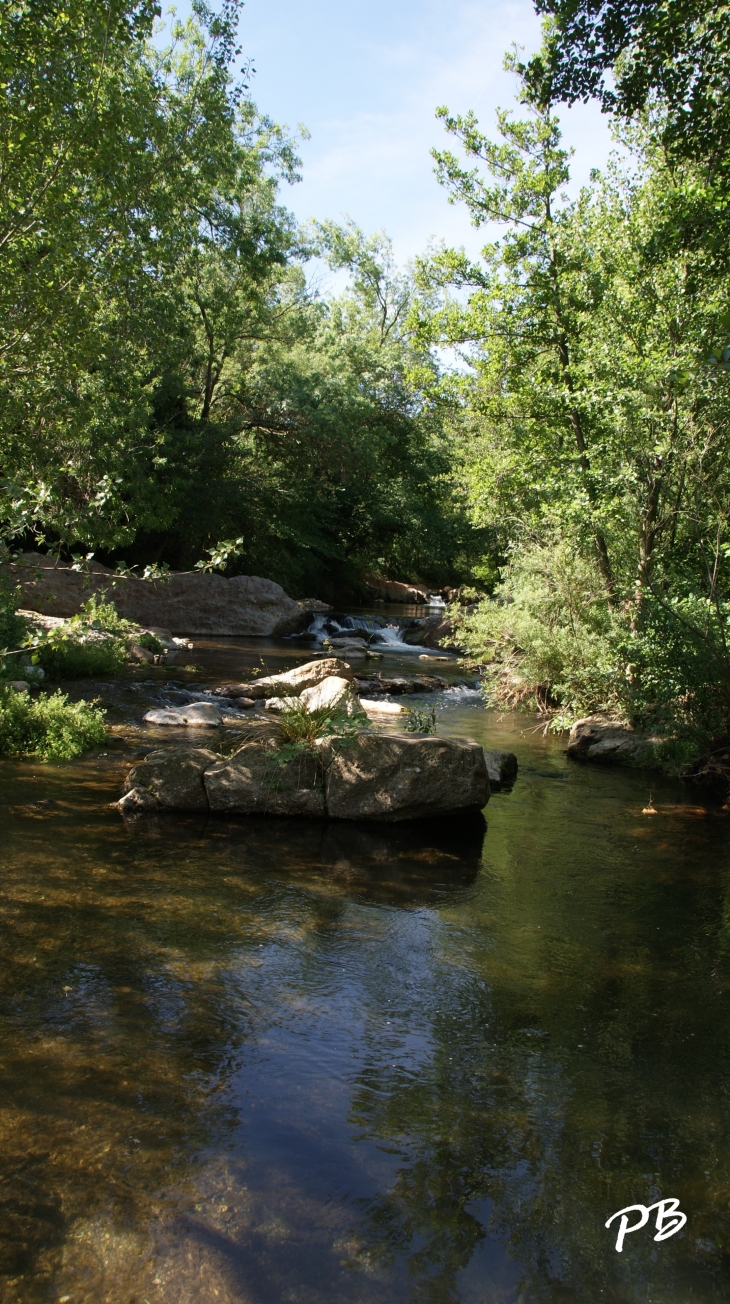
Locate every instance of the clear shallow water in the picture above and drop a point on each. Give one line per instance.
(269, 1061)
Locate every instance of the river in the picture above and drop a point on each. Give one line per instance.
(271, 1061)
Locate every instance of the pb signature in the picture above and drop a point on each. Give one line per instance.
(669, 1219)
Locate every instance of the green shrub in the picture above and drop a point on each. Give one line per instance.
(49, 727)
(421, 722)
(99, 614)
(548, 641)
(64, 654)
(12, 628)
(150, 642)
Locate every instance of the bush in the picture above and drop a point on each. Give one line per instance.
(98, 614)
(49, 727)
(12, 628)
(549, 640)
(64, 653)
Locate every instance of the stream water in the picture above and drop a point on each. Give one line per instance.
(274, 1061)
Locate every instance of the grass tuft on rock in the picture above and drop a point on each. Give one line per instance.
(48, 727)
(298, 725)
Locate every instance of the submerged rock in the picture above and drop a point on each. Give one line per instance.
(501, 768)
(608, 742)
(396, 777)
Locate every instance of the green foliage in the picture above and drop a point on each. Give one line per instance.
(420, 721)
(595, 427)
(673, 58)
(12, 627)
(169, 385)
(67, 652)
(97, 613)
(150, 642)
(298, 726)
(548, 639)
(48, 727)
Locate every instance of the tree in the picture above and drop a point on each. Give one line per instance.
(672, 54)
(595, 413)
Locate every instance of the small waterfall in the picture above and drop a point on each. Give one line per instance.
(390, 638)
(385, 636)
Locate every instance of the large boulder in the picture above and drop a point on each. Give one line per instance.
(290, 683)
(189, 603)
(258, 780)
(174, 777)
(608, 742)
(395, 777)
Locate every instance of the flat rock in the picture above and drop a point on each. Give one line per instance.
(174, 776)
(394, 777)
(255, 782)
(373, 707)
(185, 603)
(607, 742)
(501, 768)
(194, 715)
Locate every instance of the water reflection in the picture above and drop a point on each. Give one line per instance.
(278, 1060)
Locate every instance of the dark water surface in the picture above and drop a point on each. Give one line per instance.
(277, 1061)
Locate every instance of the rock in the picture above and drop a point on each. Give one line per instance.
(162, 635)
(395, 591)
(371, 707)
(138, 801)
(349, 640)
(399, 684)
(313, 605)
(174, 776)
(501, 768)
(279, 703)
(191, 716)
(436, 656)
(335, 691)
(18, 685)
(608, 742)
(301, 677)
(137, 653)
(253, 782)
(396, 777)
(165, 715)
(189, 603)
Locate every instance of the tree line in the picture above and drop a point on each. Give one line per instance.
(174, 392)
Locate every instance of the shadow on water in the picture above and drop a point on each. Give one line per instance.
(270, 1061)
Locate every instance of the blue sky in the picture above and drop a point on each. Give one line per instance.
(365, 76)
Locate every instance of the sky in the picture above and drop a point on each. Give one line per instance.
(365, 77)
